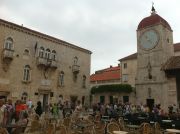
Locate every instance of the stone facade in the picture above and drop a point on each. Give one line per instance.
(109, 76)
(152, 84)
(128, 69)
(41, 67)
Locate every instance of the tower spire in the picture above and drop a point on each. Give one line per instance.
(153, 11)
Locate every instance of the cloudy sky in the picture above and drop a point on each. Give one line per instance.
(106, 27)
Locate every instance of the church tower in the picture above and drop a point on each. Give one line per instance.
(154, 48)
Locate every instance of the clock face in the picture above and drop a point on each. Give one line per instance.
(149, 39)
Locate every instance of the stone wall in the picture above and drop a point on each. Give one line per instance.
(43, 80)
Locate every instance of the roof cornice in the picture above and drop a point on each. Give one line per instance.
(40, 35)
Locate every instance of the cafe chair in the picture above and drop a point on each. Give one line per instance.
(50, 129)
(3, 131)
(35, 126)
(112, 127)
(99, 127)
(18, 130)
(121, 124)
(66, 122)
(91, 118)
(157, 128)
(113, 120)
(97, 118)
(145, 128)
(60, 130)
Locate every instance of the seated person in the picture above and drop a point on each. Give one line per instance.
(21, 124)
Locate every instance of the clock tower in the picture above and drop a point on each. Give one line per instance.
(154, 48)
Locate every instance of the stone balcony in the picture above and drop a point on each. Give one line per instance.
(75, 69)
(41, 61)
(54, 64)
(8, 54)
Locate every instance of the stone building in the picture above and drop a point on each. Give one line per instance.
(156, 68)
(108, 76)
(128, 69)
(37, 66)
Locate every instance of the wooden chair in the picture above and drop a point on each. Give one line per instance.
(35, 126)
(97, 118)
(99, 127)
(91, 118)
(60, 130)
(66, 122)
(50, 129)
(157, 128)
(112, 127)
(113, 120)
(145, 128)
(121, 124)
(3, 131)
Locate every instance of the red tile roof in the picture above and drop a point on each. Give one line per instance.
(153, 20)
(176, 47)
(111, 73)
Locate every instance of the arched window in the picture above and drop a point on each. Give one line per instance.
(61, 78)
(26, 52)
(47, 54)
(41, 52)
(53, 55)
(75, 60)
(84, 81)
(26, 74)
(9, 43)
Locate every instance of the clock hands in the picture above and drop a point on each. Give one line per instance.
(148, 40)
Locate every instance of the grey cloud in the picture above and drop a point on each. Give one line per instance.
(106, 27)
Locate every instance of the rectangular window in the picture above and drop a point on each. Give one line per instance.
(61, 79)
(102, 99)
(27, 74)
(125, 99)
(125, 77)
(125, 65)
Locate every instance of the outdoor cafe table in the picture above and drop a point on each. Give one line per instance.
(132, 127)
(120, 132)
(167, 121)
(82, 126)
(174, 131)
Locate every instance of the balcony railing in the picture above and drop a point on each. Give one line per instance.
(8, 54)
(75, 69)
(54, 64)
(41, 61)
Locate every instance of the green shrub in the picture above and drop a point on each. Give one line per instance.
(116, 88)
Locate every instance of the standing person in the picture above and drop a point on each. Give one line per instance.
(55, 110)
(78, 108)
(17, 109)
(2, 113)
(10, 111)
(38, 109)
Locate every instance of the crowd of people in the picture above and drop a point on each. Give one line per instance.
(114, 110)
(18, 112)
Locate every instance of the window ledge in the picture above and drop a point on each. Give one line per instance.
(26, 82)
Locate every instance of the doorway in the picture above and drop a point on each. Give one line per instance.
(102, 99)
(110, 99)
(45, 101)
(150, 103)
(125, 99)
